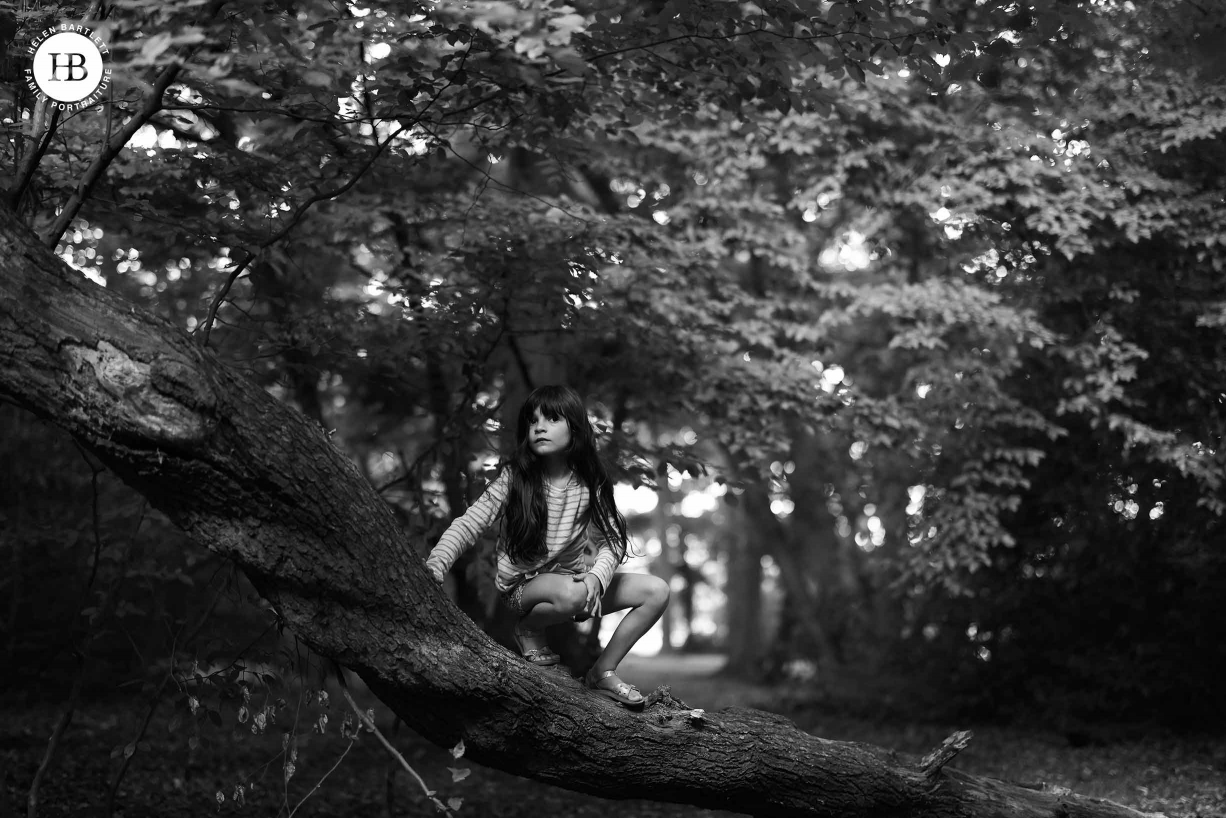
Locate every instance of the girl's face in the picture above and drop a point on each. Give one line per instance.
(548, 436)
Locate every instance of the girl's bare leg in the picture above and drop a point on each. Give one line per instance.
(553, 598)
(647, 597)
(548, 599)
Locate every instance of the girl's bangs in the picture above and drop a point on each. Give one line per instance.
(551, 405)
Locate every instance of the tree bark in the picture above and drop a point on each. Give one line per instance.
(256, 482)
(747, 637)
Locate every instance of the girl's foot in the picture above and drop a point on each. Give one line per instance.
(533, 648)
(607, 684)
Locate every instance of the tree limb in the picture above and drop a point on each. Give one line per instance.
(42, 131)
(112, 148)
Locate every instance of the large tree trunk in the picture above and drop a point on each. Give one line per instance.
(256, 482)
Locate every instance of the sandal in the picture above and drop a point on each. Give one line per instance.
(616, 690)
(544, 657)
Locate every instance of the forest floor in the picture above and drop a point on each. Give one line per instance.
(1179, 776)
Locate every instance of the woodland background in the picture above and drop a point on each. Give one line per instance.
(902, 322)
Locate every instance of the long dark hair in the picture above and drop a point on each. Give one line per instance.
(526, 515)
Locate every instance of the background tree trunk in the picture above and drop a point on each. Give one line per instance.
(747, 639)
(258, 483)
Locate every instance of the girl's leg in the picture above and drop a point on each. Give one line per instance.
(547, 600)
(647, 597)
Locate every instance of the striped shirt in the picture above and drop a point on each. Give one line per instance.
(566, 538)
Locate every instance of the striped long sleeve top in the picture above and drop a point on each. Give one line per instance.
(566, 538)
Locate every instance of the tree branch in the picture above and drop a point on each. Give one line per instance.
(221, 296)
(112, 148)
(938, 758)
(43, 131)
(287, 227)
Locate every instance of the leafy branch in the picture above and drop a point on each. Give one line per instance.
(366, 717)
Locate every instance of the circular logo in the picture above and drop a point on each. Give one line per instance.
(67, 66)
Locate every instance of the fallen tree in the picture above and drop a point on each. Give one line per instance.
(254, 481)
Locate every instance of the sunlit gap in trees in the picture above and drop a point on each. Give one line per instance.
(414, 142)
(702, 500)
(975, 635)
(849, 252)
(915, 515)
(833, 376)
(819, 203)
(80, 250)
(636, 195)
(954, 223)
(1127, 507)
(781, 504)
(584, 296)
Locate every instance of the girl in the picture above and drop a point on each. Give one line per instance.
(553, 496)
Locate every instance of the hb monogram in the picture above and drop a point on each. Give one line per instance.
(72, 62)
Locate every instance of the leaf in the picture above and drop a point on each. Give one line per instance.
(458, 774)
(569, 60)
(458, 750)
(454, 804)
(154, 46)
(319, 79)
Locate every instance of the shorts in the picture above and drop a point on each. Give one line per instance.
(513, 596)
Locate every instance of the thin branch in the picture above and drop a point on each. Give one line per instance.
(95, 471)
(290, 225)
(520, 361)
(96, 11)
(53, 743)
(302, 209)
(116, 142)
(221, 296)
(938, 758)
(156, 697)
(369, 723)
(390, 803)
(42, 136)
(239, 109)
(112, 148)
(321, 781)
(509, 188)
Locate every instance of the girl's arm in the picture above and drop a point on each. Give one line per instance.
(465, 529)
(606, 558)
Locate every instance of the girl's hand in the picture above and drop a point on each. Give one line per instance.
(436, 573)
(591, 607)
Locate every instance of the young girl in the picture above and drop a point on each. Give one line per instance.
(554, 496)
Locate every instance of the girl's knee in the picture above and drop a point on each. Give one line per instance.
(573, 600)
(658, 594)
